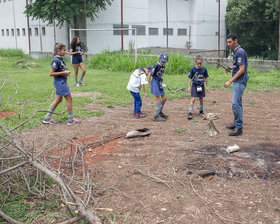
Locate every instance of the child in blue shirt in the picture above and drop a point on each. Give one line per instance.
(76, 51)
(198, 76)
(137, 81)
(156, 86)
(60, 74)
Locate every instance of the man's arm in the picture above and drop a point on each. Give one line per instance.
(236, 76)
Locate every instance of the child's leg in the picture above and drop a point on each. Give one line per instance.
(158, 106)
(76, 68)
(191, 104)
(201, 107)
(83, 68)
(163, 101)
(201, 104)
(57, 100)
(68, 99)
(138, 102)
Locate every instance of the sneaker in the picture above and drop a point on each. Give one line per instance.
(50, 121)
(163, 115)
(190, 116)
(77, 84)
(140, 115)
(82, 84)
(74, 121)
(159, 118)
(201, 114)
(230, 126)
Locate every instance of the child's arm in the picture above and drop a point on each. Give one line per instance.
(149, 79)
(207, 87)
(73, 53)
(144, 91)
(189, 88)
(54, 73)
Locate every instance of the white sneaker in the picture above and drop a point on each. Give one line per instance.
(82, 84)
(77, 85)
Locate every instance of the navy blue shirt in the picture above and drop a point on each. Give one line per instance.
(59, 65)
(157, 72)
(240, 58)
(75, 49)
(198, 75)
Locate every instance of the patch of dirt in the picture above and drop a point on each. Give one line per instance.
(6, 114)
(80, 94)
(153, 179)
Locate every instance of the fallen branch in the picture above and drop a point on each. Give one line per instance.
(8, 218)
(152, 177)
(180, 89)
(72, 220)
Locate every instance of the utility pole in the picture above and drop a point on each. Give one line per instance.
(122, 23)
(166, 3)
(85, 5)
(28, 29)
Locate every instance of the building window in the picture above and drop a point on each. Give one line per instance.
(3, 32)
(182, 32)
(118, 32)
(140, 30)
(18, 32)
(153, 31)
(12, 32)
(36, 32)
(170, 31)
(7, 32)
(30, 31)
(43, 31)
(23, 31)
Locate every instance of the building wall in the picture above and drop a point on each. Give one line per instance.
(196, 19)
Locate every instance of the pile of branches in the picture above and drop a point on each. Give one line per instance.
(25, 164)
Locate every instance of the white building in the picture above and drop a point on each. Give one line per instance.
(192, 24)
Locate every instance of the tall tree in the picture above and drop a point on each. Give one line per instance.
(256, 24)
(65, 10)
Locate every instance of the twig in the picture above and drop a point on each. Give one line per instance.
(13, 168)
(8, 218)
(152, 177)
(72, 220)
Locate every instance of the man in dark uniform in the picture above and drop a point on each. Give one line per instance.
(239, 79)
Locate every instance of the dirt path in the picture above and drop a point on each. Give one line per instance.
(154, 179)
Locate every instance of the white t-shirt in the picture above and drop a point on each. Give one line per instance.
(137, 78)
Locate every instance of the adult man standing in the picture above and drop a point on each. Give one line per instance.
(239, 79)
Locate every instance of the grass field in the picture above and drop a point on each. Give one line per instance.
(35, 89)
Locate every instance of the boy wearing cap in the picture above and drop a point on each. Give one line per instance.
(136, 82)
(156, 86)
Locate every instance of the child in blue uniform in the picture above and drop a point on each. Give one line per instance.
(157, 87)
(198, 76)
(137, 81)
(76, 51)
(60, 73)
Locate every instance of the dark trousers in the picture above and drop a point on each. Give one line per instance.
(137, 102)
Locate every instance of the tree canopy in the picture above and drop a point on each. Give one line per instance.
(256, 24)
(64, 10)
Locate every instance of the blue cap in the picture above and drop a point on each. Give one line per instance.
(163, 57)
(149, 67)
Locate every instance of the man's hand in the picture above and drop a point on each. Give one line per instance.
(227, 84)
(67, 72)
(228, 69)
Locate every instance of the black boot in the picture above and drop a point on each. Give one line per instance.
(236, 132)
(230, 126)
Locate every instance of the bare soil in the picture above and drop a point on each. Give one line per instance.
(154, 179)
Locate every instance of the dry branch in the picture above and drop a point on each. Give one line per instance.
(8, 218)
(152, 177)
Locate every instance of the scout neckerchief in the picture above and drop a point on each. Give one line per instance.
(61, 58)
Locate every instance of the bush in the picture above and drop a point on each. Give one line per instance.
(122, 61)
(11, 53)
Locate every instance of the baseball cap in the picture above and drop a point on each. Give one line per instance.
(149, 67)
(163, 57)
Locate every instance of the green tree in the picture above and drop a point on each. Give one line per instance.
(65, 10)
(256, 24)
